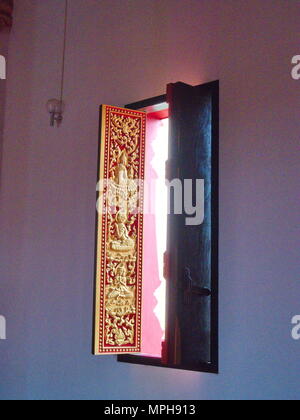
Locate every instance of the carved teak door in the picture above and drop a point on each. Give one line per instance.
(192, 301)
(120, 231)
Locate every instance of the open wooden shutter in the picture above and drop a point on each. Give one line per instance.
(119, 231)
(192, 315)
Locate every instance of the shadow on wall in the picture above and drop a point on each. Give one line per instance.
(14, 143)
(6, 11)
(3, 55)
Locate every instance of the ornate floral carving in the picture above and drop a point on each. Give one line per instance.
(119, 264)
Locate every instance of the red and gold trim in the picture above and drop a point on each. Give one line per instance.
(118, 300)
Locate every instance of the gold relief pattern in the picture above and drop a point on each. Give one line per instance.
(120, 229)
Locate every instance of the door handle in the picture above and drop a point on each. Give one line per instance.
(190, 289)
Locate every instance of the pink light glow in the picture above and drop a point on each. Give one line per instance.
(155, 236)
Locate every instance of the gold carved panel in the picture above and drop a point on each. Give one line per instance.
(118, 300)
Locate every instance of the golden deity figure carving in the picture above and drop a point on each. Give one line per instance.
(120, 295)
(121, 250)
(122, 241)
(122, 198)
(121, 174)
(120, 305)
(122, 187)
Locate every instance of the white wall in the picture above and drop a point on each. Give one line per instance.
(121, 51)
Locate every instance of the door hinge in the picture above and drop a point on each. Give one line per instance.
(172, 169)
(168, 170)
(166, 265)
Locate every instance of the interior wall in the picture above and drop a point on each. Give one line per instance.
(121, 51)
(4, 37)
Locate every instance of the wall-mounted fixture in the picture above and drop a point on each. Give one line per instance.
(56, 107)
